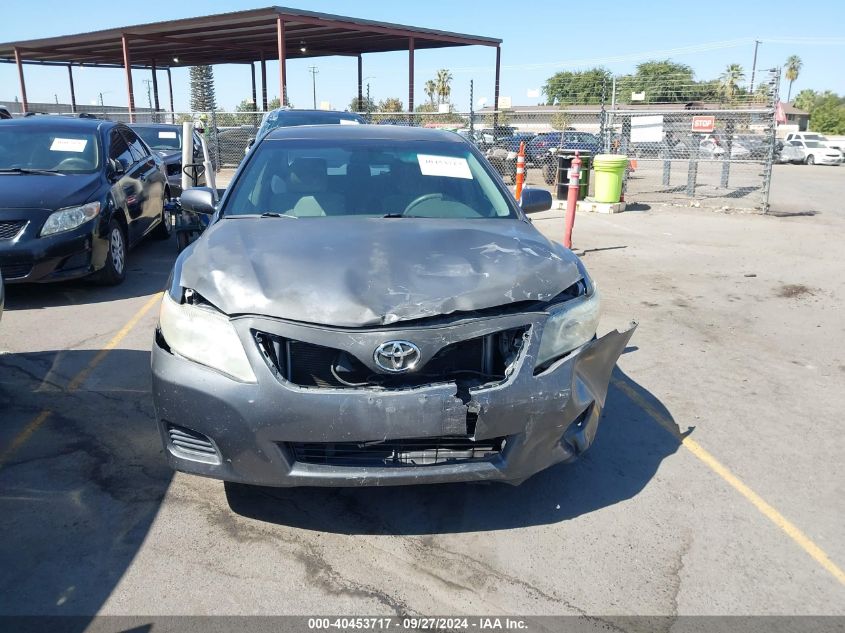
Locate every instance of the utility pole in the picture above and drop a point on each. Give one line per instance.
(101, 99)
(754, 65)
(313, 70)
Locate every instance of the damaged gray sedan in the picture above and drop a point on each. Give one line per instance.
(370, 306)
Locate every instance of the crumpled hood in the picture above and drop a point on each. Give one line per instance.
(354, 272)
(33, 191)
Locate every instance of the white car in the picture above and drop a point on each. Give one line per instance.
(815, 153)
(811, 136)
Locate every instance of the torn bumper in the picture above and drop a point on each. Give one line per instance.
(254, 433)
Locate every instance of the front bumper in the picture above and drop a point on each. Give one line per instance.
(546, 418)
(69, 255)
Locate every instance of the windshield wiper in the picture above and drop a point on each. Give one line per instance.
(276, 214)
(395, 215)
(28, 170)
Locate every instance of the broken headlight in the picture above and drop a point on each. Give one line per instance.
(570, 325)
(204, 335)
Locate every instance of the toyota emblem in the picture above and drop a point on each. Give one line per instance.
(397, 356)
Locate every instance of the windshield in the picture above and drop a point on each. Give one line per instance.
(293, 118)
(367, 177)
(161, 138)
(64, 151)
(813, 144)
(814, 137)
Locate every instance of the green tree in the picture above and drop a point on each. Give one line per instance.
(247, 113)
(431, 90)
(443, 84)
(730, 80)
(202, 89)
(561, 119)
(828, 115)
(366, 104)
(576, 87)
(662, 81)
(806, 100)
(391, 104)
(275, 103)
(793, 68)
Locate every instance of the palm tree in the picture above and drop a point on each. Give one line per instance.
(431, 90)
(793, 67)
(443, 79)
(730, 79)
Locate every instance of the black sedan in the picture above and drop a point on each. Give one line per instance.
(75, 194)
(166, 141)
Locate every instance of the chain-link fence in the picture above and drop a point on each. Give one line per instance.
(678, 154)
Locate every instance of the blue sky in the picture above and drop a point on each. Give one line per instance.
(539, 37)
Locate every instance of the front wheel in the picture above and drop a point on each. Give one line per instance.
(114, 271)
(811, 160)
(164, 229)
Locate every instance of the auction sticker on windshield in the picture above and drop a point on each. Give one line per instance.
(448, 166)
(68, 145)
(167, 134)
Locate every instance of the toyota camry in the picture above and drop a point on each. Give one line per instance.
(371, 306)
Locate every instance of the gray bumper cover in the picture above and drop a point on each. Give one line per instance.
(547, 418)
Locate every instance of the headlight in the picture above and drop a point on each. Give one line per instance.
(70, 218)
(205, 336)
(569, 326)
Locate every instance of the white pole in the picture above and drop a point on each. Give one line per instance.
(187, 152)
(210, 176)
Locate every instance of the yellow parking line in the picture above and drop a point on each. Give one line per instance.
(765, 508)
(79, 378)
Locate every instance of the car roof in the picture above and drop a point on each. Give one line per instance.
(61, 122)
(164, 126)
(374, 132)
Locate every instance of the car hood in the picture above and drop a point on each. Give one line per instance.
(354, 272)
(170, 156)
(33, 191)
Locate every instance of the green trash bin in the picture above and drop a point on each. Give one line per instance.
(610, 171)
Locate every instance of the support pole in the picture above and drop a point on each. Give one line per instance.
(254, 92)
(127, 66)
(496, 92)
(24, 102)
(280, 32)
(410, 74)
(156, 103)
(72, 90)
(360, 83)
(170, 93)
(263, 83)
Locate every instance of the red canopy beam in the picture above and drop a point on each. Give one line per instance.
(127, 66)
(280, 34)
(24, 102)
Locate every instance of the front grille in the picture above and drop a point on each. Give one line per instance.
(188, 441)
(429, 451)
(15, 269)
(475, 361)
(9, 229)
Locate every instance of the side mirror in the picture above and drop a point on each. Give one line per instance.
(116, 169)
(198, 200)
(250, 141)
(534, 200)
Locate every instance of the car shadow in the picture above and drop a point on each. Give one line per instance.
(628, 450)
(148, 266)
(79, 487)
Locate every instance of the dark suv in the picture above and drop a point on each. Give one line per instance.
(75, 194)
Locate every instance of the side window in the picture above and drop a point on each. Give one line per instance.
(119, 149)
(135, 145)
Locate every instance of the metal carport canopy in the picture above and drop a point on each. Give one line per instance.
(237, 37)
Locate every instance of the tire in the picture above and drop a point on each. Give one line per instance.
(811, 160)
(164, 229)
(114, 272)
(549, 174)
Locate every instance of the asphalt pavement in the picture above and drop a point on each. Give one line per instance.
(715, 485)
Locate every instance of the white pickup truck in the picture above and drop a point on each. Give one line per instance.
(818, 138)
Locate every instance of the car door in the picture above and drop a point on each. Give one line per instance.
(126, 188)
(151, 178)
